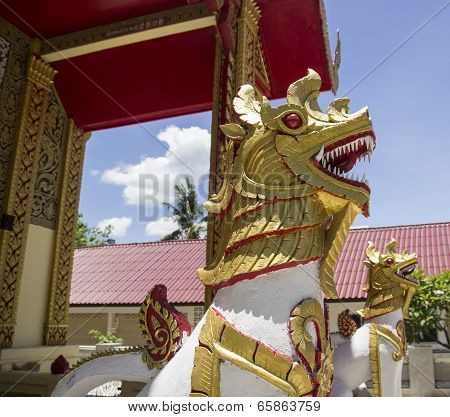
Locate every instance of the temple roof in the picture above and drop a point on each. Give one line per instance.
(123, 274)
(167, 76)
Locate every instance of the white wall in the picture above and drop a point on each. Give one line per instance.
(34, 287)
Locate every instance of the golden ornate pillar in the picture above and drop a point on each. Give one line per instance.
(19, 191)
(239, 60)
(55, 329)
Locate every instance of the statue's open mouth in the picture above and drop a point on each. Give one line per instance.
(340, 157)
(406, 271)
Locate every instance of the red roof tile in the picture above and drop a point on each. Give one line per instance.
(124, 273)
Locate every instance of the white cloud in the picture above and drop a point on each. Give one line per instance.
(151, 181)
(95, 172)
(119, 225)
(161, 227)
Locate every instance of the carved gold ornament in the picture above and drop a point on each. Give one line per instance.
(377, 331)
(162, 327)
(389, 285)
(346, 325)
(22, 177)
(220, 341)
(307, 318)
(286, 198)
(401, 331)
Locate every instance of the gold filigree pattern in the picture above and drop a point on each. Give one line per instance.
(377, 331)
(14, 55)
(44, 208)
(220, 341)
(389, 284)
(23, 174)
(55, 330)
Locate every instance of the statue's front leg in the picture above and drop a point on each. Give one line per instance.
(386, 361)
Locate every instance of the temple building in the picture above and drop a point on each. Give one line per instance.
(69, 69)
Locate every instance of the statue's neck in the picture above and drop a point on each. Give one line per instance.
(266, 236)
(261, 307)
(274, 294)
(383, 302)
(388, 320)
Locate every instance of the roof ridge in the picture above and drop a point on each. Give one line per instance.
(155, 243)
(362, 228)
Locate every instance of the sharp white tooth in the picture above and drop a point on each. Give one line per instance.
(320, 154)
(363, 179)
(361, 140)
(353, 146)
(334, 171)
(369, 155)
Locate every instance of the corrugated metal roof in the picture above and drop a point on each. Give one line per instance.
(124, 273)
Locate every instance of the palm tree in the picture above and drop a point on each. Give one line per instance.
(189, 215)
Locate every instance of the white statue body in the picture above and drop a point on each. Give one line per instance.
(258, 306)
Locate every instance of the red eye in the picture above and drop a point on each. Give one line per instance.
(389, 261)
(293, 121)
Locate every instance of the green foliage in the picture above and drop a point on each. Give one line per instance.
(90, 236)
(110, 337)
(429, 310)
(189, 215)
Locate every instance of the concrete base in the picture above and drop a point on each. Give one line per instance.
(26, 384)
(39, 358)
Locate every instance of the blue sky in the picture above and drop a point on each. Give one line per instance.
(407, 96)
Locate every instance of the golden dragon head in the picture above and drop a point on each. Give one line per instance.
(318, 149)
(390, 285)
(288, 168)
